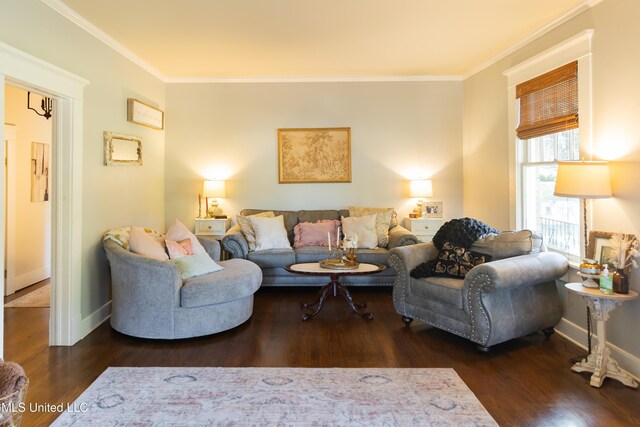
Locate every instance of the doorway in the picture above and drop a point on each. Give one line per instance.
(28, 202)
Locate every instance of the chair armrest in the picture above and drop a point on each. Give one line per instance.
(524, 270)
(211, 245)
(235, 243)
(400, 236)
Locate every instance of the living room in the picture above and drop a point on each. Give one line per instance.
(453, 128)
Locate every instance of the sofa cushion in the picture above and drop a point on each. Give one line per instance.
(142, 243)
(290, 219)
(311, 254)
(270, 233)
(364, 227)
(249, 233)
(384, 216)
(373, 256)
(273, 257)
(315, 233)
(238, 279)
(445, 290)
(509, 244)
(319, 215)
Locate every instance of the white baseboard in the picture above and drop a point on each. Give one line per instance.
(31, 277)
(95, 319)
(578, 336)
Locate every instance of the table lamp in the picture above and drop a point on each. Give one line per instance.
(420, 188)
(213, 189)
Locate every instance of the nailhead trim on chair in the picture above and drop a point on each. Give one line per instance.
(399, 298)
(475, 290)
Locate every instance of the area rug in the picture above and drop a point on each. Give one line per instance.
(276, 396)
(41, 297)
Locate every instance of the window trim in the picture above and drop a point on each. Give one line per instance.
(577, 48)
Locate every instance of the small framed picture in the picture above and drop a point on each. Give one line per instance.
(599, 249)
(433, 209)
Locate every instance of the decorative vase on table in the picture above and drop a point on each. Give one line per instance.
(620, 282)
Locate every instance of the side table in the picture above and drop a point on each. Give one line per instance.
(214, 228)
(600, 361)
(423, 228)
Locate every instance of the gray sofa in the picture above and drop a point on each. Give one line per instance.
(272, 262)
(150, 299)
(495, 302)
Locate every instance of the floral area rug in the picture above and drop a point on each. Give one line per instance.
(276, 396)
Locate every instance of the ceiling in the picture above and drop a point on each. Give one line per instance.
(260, 39)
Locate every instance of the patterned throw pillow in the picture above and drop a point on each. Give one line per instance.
(178, 249)
(247, 228)
(456, 262)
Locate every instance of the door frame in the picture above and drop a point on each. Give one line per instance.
(9, 208)
(25, 71)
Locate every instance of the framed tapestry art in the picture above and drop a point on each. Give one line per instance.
(314, 155)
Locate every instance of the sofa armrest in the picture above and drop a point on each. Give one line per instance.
(235, 243)
(400, 236)
(524, 270)
(211, 245)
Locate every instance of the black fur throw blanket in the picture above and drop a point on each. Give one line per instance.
(462, 232)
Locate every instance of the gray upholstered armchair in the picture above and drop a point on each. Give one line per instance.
(495, 302)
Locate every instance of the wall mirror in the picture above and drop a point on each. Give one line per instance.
(123, 150)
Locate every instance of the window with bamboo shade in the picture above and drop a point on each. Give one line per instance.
(549, 102)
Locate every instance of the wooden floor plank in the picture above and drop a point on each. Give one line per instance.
(525, 382)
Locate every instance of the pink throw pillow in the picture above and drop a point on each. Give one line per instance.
(178, 231)
(178, 249)
(144, 244)
(315, 234)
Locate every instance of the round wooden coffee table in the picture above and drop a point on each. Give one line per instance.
(335, 287)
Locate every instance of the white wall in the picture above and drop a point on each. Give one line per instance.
(112, 196)
(32, 250)
(616, 137)
(398, 130)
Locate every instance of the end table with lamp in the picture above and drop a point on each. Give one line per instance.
(600, 362)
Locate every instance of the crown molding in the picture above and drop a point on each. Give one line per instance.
(319, 79)
(72, 16)
(585, 5)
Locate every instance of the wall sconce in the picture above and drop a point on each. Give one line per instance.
(420, 188)
(213, 189)
(46, 105)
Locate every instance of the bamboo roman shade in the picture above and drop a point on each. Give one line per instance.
(549, 102)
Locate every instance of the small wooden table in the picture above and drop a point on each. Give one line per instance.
(600, 361)
(314, 269)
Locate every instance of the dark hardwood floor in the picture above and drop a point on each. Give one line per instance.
(525, 382)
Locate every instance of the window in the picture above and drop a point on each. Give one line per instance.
(548, 132)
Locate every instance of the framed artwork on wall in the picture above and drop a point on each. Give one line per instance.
(314, 155)
(39, 172)
(144, 114)
(122, 150)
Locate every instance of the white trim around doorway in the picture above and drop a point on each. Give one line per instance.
(28, 72)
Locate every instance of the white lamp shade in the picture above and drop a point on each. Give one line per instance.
(420, 188)
(214, 189)
(586, 179)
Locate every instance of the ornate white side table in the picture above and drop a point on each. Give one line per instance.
(600, 361)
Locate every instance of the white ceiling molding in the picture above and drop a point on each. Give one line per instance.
(75, 18)
(542, 31)
(336, 79)
(72, 16)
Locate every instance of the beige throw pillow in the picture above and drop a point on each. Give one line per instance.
(178, 231)
(247, 229)
(384, 219)
(270, 233)
(509, 244)
(364, 227)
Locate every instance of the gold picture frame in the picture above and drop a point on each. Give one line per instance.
(314, 155)
(598, 249)
(122, 150)
(144, 114)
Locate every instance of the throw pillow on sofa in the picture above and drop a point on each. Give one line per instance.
(315, 233)
(178, 249)
(178, 231)
(270, 233)
(247, 229)
(364, 227)
(195, 265)
(142, 243)
(384, 218)
(508, 244)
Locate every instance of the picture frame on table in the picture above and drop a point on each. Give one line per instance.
(599, 249)
(433, 209)
(314, 155)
